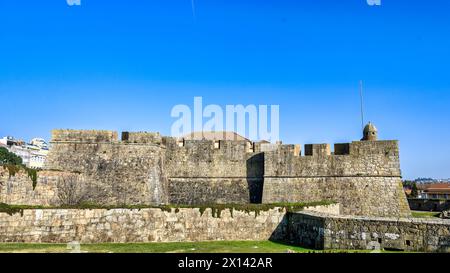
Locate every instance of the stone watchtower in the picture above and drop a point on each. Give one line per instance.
(370, 133)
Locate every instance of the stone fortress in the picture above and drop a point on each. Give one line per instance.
(363, 178)
(146, 168)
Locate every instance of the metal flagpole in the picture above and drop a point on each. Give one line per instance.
(362, 103)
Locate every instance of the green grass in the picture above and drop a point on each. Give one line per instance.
(198, 247)
(425, 214)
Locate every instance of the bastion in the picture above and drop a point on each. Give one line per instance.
(144, 168)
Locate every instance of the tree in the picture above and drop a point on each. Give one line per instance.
(414, 190)
(8, 158)
(70, 190)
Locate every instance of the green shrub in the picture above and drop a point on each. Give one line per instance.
(10, 210)
(8, 158)
(14, 169)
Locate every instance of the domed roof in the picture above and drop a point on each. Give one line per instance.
(370, 128)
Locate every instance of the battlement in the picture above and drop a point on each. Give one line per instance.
(317, 149)
(104, 136)
(145, 167)
(356, 148)
(142, 137)
(91, 136)
(359, 158)
(205, 144)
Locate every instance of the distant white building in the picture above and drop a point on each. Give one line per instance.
(3, 141)
(37, 159)
(33, 155)
(10, 141)
(39, 142)
(21, 151)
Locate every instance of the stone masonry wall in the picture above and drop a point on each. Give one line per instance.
(144, 225)
(371, 196)
(366, 180)
(115, 172)
(322, 231)
(203, 171)
(145, 168)
(18, 189)
(436, 205)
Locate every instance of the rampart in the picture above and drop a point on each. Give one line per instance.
(116, 172)
(144, 225)
(213, 172)
(147, 168)
(18, 188)
(436, 205)
(364, 176)
(322, 231)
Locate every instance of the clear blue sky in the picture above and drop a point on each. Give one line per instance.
(123, 65)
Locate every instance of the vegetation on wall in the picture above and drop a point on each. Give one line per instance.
(14, 169)
(8, 158)
(10, 210)
(32, 174)
(216, 209)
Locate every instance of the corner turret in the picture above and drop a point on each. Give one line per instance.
(370, 133)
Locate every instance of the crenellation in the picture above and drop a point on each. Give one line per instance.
(342, 149)
(319, 150)
(361, 173)
(147, 168)
(142, 137)
(88, 136)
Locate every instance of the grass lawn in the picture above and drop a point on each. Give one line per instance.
(199, 247)
(425, 214)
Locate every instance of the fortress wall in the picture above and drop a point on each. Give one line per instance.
(145, 168)
(18, 189)
(112, 172)
(436, 205)
(213, 172)
(201, 158)
(84, 136)
(193, 191)
(137, 226)
(142, 137)
(372, 196)
(146, 225)
(321, 231)
(364, 177)
(365, 158)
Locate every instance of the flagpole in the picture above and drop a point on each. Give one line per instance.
(362, 103)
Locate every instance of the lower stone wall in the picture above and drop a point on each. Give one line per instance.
(18, 188)
(194, 191)
(429, 204)
(139, 226)
(368, 196)
(321, 231)
(144, 225)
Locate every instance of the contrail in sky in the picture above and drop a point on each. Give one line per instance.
(193, 8)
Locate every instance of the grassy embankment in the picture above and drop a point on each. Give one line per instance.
(198, 247)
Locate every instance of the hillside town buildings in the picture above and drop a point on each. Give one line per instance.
(33, 154)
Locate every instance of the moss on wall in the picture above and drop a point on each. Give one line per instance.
(15, 169)
(215, 208)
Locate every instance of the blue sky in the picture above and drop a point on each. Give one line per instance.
(123, 65)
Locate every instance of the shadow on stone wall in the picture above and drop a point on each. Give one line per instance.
(279, 235)
(255, 178)
(435, 205)
(296, 232)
